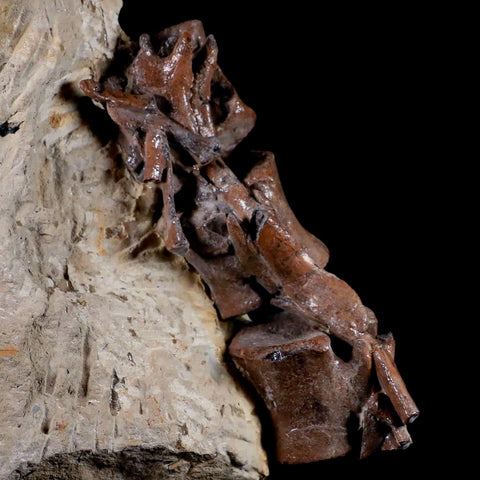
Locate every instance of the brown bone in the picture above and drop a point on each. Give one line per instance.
(180, 118)
(310, 392)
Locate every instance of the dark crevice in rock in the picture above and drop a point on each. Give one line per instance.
(87, 350)
(7, 128)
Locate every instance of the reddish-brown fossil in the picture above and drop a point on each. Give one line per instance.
(179, 120)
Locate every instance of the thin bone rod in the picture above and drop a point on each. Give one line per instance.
(393, 386)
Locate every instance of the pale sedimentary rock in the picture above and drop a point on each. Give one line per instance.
(111, 354)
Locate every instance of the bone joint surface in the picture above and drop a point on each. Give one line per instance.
(180, 121)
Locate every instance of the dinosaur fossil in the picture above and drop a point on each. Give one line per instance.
(180, 119)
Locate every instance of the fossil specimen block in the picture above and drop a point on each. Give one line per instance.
(111, 351)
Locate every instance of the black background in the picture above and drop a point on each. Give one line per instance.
(350, 100)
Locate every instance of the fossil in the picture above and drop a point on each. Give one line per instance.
(180, 121)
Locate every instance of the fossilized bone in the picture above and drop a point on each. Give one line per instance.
(180, 119)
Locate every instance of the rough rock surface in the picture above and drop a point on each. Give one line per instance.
(111, 354)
